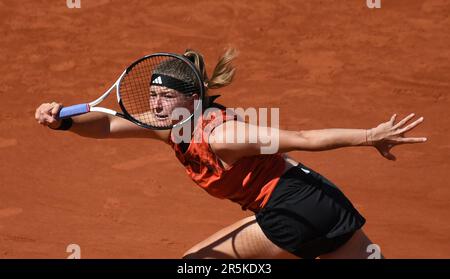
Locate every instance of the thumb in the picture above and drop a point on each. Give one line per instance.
(55, 110)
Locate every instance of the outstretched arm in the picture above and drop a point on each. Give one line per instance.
(96, 125)
(233, 139)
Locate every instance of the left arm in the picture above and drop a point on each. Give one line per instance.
(234, 139)
(327, 139)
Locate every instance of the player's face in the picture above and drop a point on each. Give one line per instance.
(163, 101)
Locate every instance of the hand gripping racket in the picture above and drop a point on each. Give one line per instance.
(158, 91)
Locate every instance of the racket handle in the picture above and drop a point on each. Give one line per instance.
(73, 110)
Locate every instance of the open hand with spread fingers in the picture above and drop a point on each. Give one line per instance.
(388, 134)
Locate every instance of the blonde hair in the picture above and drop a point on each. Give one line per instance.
(223, 73)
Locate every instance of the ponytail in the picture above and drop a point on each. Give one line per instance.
(222, 75)
(223, 72)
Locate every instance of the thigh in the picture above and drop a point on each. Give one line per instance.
(356, 247)
(241, 240)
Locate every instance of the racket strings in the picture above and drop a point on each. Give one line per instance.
(152, 90)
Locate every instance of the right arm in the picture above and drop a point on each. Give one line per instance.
(97, 125)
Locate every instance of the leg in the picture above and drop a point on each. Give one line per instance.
(355, 248)
(241, 240)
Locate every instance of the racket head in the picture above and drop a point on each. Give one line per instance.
(160, 91)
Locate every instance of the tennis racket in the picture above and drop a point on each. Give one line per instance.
(159, 91)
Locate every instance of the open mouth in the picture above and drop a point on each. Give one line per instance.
(161, 116)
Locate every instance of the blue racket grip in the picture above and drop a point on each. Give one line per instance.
(73, 110)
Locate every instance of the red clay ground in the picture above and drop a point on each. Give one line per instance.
(325, 64)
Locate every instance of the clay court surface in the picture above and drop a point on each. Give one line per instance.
(325, 64)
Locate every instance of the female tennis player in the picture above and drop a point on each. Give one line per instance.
(298, 212)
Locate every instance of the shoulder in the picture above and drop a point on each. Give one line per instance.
(214, 116)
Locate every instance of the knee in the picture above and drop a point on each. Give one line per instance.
(191, 254)
(206, 254)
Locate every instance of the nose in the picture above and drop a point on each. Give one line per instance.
(159, 102)
(156, 103)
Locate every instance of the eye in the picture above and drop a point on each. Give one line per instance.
(152, 94)
(169, 95)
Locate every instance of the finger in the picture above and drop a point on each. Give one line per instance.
(39, 110)
(393, 119)
(36, 114)
(410, 126)
(47, 107)
(48, 119)
(403, 121)
(45, 110)
(411, 140)
(55, 110)
(43, 122)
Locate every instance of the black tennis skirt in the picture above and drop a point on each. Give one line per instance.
(308, 215)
